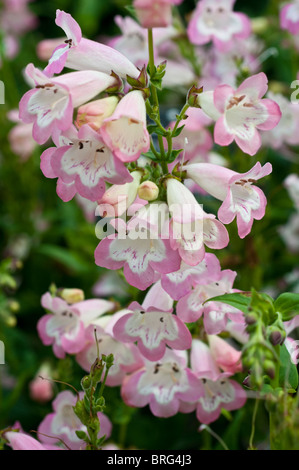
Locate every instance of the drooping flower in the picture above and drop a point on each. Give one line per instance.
(153, 329)
(126, 130)
(241, 198)
(215, 20)
(50, 105)
(63, 423)
(218, 390)
(82, 160)
(239, 114)
(64, 327)
(78, 53)
(180, 283)
(162, 385)
(140, 248)
(216, 314)
(191, 226)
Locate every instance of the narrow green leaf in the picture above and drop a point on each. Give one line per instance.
(237, 300)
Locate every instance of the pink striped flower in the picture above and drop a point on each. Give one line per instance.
(78, 53)
(153, 329)
(239, 114)
(162, 385)
(125, 132)
(218, 390)
(83, 163)
(241, 198)
(50, 105)
(64, 326)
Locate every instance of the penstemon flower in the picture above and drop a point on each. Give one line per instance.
(50, 105)
(83, 161)
(215, 20)
(64, 327)
(218, 390)
(82, 54)
(239, 114)
(163, 385)
(240, 197)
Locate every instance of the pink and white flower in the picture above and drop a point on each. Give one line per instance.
(63, 423)
(191, 226)
(218, 390)
(239, 114)
(180, 283)
(50, 105)
(215, 20)
(78, 53)
(289, 17)
(153, 329)
(83, 163)
(126, 130)
(216, 314)
(154, 13)
(241, 198)
(142, 253)
(162, 385)
(64, 327)
(22, 441)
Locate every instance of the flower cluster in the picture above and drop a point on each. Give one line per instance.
(167, 350)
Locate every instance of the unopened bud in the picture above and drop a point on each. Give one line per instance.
(275, 338)
(193, 96)
(11, 321)
(148, 191)
(95, 112)
(259, 25)
(71, 296)
(269, 368)
(86, 382)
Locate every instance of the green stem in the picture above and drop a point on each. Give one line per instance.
(256, 405)
(154, 92)
(180, 117)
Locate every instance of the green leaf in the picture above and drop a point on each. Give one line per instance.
(178, 131)
(237, 300)
(173, 156)
(157, 130)
(82, 435)
(287, 305)
(288, 374)
(151, 156)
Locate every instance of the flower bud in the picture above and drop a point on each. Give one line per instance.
(192, 97)
(95, 112)
(86, 382)
(148, 191)
(71, 296)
